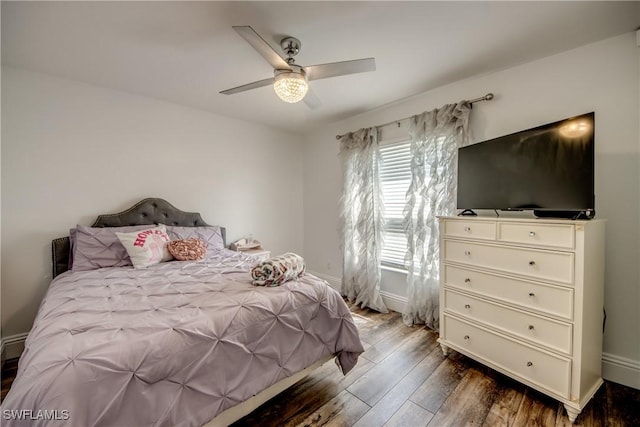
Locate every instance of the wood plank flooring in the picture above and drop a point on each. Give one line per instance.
(403, 380)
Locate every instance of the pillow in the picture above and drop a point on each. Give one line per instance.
(146, 247)
(210, 235)
(72, 246)
(98, 247)
(188, 249)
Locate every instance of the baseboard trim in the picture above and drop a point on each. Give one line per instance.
(12, 346)
(335, 282)
(394, 302)
(621, 370)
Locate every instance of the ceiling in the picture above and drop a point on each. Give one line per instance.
(187, 52)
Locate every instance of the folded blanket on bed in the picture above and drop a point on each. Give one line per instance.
(277, 270)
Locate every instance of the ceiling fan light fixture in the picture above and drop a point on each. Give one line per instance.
(291, 86)
(291, 81)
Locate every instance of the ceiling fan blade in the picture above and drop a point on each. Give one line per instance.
(249, 86)
(262, 47)
(311, 100)
(334, 69)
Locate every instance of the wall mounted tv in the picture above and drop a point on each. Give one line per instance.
(548, 169)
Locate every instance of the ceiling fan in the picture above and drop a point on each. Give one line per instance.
(290, 80)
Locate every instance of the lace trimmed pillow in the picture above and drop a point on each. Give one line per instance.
(191, 249)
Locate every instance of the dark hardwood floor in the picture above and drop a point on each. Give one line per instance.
(402, 379)
(9, 369)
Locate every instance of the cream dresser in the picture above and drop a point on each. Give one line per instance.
(525, 297)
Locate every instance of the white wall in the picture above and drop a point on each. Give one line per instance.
(601, 77)
(72, 151)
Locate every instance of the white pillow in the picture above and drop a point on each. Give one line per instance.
(146, 247)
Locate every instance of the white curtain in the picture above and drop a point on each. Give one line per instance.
(435, 138)
(361, 216)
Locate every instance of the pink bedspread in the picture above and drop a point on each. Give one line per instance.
(173, 344)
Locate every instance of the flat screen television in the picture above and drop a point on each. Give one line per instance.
(548, 169)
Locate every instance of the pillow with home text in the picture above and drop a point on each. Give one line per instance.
(146, 247)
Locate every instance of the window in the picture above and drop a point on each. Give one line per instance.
(395, 178)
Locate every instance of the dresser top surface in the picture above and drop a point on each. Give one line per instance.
(522, 219)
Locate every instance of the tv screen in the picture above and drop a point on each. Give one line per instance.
(549, 167)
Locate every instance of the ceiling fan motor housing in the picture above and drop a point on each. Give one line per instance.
(294, 69)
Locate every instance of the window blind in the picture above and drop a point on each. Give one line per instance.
(395, 178)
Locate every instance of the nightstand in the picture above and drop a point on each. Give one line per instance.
(259, 253)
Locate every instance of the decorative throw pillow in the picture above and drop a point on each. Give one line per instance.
(187, 249)
(211, 236)
(146, 247)
(98, 247)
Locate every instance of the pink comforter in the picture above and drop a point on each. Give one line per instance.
(173, 344)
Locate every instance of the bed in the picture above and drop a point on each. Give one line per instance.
(180, 343)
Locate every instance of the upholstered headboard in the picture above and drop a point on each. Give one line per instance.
(148, 211)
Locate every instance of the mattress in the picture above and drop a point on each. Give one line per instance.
(173, 344)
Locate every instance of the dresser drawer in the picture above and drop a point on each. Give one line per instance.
(485, 230)
(538, 367)
(548, 299)
(553, 235)
(556, 266)
(549, 333)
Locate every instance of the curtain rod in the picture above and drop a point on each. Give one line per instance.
(487, 97)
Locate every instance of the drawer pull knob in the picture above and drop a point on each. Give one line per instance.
(467, 281)
(467, 253)
(529, 364)
(532, 263)
(467, 306)
(531, 295)
(466, 337)
(532, 234)
(531, 328)
(467, 229)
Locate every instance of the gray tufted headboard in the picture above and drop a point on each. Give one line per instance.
(147, 211)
